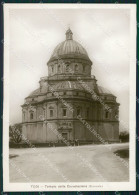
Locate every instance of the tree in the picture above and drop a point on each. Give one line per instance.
(15, 133)
(124, 136)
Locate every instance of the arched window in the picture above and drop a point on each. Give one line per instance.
(58, 68)
(76, 67)
(67, 68)
(78, 111)
(64, 112)
(51, 110)
(31, 115)
(106, 114)
(52, 68)
(116, 114)
(23, 116)
(87, 112)
(51, 113)
(83, 68)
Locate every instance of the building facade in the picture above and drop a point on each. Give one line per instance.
(69, 104)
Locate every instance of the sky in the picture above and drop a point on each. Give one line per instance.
(34, 33)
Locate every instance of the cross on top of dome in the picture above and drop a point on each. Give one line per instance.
(69, 34)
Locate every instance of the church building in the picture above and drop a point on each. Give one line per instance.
(69, 101)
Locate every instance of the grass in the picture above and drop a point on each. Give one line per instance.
(123, 153)
(13, 156)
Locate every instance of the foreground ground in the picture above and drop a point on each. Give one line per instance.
(77, 164)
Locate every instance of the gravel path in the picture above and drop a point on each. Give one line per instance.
(77, 164)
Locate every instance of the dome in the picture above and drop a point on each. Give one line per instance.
(69, 48)
(104, 91)
(35, 93)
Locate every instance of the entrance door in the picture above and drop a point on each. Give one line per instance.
(65, 136)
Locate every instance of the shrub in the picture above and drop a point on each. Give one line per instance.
(15, 133)
(124, 136)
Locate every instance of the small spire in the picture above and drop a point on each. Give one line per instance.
(69, 34)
